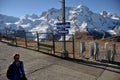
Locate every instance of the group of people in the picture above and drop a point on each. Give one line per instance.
(109, 55)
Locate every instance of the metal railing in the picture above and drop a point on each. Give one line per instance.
(33, 40)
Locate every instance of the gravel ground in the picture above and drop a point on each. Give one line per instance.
(39, 66)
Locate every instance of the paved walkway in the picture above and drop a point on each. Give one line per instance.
(40, 66)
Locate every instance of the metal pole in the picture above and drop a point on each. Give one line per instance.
(53, 44)
(64, 52)
(15, 33)
(38, 44)
(73, 44)
(25, 39)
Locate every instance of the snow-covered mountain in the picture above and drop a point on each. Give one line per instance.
(81, 19)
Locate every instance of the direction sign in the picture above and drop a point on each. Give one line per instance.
(67, 25)
(62, 26)
(63, 32)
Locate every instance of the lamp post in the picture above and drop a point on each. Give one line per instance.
(64, 51)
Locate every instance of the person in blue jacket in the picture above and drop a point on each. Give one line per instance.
(16, 69)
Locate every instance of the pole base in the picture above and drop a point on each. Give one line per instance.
(64, 54)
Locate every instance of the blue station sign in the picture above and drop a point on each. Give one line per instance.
(62, 28)
(63, 25)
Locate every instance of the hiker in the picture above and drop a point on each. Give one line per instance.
(113, 52)
(96, 50)
(83, 49)
(107, 52)
(16, 69)
(91, 50)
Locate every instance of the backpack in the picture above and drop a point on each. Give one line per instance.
(9, 73)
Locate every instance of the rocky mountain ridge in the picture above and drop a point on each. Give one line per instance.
(81, 19)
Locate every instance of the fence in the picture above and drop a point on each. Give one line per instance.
(87, 50)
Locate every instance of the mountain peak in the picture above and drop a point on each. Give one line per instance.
(110, 15)
(83, 10)
(82, 7)
(34, 16)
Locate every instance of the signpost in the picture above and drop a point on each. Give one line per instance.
(63, 25)
(62, 28)
(63, 32)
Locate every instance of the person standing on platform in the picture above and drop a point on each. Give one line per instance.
(113, 52)
(91, 50)
(83, 49)
(16, 69)
(107, 52)
(96, 50)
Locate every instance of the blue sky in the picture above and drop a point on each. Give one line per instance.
(19, 8)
